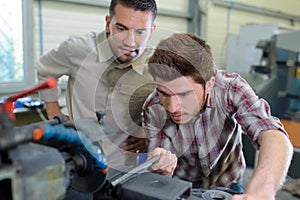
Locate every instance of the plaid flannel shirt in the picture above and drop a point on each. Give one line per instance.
(209, 147)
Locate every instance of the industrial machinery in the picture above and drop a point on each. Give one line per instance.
(277, 79)
(44, 160)
(286, 43)
(276, 75)
(39, 161)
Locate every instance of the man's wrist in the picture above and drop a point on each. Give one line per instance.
(268, 191)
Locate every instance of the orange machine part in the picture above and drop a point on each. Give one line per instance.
(293, 129)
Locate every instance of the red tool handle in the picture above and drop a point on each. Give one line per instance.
(50, 83)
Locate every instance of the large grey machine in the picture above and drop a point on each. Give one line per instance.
(45, 160)
(288, 43)
(277, 77)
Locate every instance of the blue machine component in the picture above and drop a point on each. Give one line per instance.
(72, 136)
(295, 103)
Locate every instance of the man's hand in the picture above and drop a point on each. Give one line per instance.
(53, 109)
(167, 162)
(264, 194)
(135, 145)
(274, 158)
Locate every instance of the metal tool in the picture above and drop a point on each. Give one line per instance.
(216, 194)
(135, 170)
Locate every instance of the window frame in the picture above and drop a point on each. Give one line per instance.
(7, 87)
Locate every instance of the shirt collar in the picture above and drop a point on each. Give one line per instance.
(209, 104)
(104, 51)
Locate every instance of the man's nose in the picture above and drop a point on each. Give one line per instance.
(130, 38)
(173, 104)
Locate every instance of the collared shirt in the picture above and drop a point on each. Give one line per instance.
(96, 80)
(209, 147)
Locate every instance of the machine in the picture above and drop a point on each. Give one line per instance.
(286, 42)
(39, 161)
(43, 160)
(277, 79)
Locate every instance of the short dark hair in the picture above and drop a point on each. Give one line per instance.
(141, 5)
(182, 54)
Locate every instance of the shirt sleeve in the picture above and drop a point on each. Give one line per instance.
(55, 63)
(251, 112)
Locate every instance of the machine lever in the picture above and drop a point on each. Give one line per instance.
(8, 104)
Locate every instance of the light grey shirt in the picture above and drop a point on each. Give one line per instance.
(96, 81)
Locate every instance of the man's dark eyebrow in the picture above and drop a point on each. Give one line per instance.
(181, 93)
(126, 28)
(160, 91)
(123, 26)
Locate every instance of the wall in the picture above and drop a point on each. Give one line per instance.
(223, 22)
(62, 18)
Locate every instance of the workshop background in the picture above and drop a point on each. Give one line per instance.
(260, 39)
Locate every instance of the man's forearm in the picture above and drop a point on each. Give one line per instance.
(53, 109)
(273, 162)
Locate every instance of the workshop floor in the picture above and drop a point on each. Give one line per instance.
(281, 195)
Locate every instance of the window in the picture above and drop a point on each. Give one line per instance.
(16, 45)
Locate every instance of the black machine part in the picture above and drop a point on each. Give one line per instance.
(84, 177)
(140, 183)
(151, 186)
(154, 186)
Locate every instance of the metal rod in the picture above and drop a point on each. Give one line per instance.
(135, 170)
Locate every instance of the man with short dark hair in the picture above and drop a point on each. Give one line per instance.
(106, 71)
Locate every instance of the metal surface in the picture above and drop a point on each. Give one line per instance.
(89, 183)
(216, 194)
(288, 41)
(88, 173)
(154, 187)
(220, 193)
(84, 176)
(41, 173)
(135, 170)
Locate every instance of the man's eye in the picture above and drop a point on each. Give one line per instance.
(140, 32)
(185, 94)
(120, 28)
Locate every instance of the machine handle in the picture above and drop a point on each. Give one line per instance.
(8, 104)
(50, 83)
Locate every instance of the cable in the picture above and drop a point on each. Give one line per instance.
(40, 113)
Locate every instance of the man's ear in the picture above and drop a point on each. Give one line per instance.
(210, 84)
(107, 29)
(152, 30)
